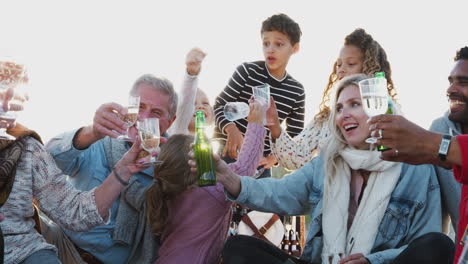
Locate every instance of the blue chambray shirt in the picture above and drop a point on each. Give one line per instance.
(88, 169)
(414, 208)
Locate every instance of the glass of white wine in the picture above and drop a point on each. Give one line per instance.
(12, 76)
(374, 98)
(150, 136)
(131, 116)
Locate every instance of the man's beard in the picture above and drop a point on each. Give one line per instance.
(459, 116)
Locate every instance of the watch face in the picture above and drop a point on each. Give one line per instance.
(444, 146)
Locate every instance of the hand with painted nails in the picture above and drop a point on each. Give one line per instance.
(132, 162)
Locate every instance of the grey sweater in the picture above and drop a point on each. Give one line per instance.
(450, 188)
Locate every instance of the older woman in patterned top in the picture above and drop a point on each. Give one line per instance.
(29, 177)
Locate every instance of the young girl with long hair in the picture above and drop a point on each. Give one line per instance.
(360, 54)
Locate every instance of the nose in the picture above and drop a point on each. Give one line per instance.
(346, 113)
(340, 72)
(269, 49)
(452, 89)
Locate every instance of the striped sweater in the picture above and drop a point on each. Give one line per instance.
(288, 93)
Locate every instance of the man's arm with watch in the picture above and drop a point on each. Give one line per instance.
(413, 144)
(445, 150)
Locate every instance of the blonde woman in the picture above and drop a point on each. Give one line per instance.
(362, 209)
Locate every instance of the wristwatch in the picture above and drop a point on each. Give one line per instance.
(444, 147)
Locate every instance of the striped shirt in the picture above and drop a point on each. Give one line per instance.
(288, 93)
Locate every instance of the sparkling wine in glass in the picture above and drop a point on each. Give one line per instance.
(131, 116)
(374, 98)
(150, 136)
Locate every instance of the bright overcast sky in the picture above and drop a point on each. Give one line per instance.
(85, 53)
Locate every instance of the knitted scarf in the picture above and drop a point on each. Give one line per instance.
(338, 240)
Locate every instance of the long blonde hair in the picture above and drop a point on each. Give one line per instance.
(336, 141)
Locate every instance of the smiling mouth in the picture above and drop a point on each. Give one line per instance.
(348, 128)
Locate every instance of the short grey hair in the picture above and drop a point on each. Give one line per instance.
(160, 84)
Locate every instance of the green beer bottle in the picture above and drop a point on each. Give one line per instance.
(390, 106)
(203, 153)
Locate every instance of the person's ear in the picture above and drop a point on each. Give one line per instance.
(296, 48)
(172, 120)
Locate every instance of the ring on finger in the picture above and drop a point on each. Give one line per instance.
(380, 133)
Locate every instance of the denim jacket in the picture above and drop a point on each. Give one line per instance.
(414, 208)
(88, 169)
(450, 189)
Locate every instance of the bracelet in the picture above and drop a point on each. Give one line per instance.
(119, 178)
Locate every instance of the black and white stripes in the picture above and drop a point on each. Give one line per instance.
(288, 93)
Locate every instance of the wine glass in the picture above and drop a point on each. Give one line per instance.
(148, 130)
(12, 76)
(261, 93)
(131, 116)
(236, 110)
(374, 99)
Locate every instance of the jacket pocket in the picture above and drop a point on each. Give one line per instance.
(395, 222)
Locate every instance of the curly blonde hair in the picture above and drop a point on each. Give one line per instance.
(375, 60)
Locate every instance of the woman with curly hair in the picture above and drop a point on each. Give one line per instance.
(360, 54)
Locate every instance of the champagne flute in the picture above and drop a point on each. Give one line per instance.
(131, 116)
(148, 130)
(374, 99)
(12, 76)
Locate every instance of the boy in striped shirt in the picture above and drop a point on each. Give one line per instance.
(280, 38)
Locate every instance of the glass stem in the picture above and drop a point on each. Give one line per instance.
(126, 133)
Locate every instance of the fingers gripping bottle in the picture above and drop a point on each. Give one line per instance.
(203, 153)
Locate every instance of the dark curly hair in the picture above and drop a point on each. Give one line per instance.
(284, 24)
(462, 54)
(375, 60)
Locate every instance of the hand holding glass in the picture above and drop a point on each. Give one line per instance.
(131, 116)
(374, 99)
(148, 130)
(12, 76)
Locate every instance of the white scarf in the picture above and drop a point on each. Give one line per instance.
(339, 242)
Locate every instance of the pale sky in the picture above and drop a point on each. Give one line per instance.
(82, 54)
